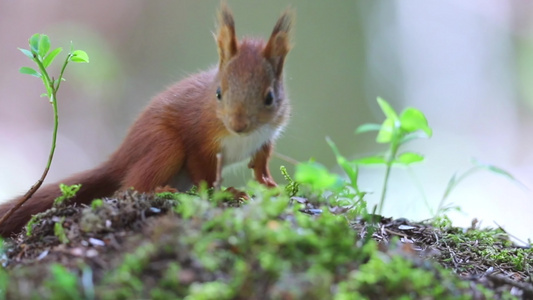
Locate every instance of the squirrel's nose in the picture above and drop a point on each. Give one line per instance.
(239, 125)
(238, 122)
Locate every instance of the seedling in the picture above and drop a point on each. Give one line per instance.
(456, 179)
(67, 192)
(59, 231)
(395, 131)
(292, 186)
(40, 54)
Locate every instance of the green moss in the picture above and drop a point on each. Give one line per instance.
(62, 284)
(269, 247)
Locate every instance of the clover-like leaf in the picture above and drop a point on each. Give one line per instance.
(51, 56)
(34, 43)
(413, 119)
(407, 158)
(30, 71)
(44, 45)
(27, 53)
(79, 56)
(371, 160)
(389, 112)
(386, 132)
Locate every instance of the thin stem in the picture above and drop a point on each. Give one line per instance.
(53, 100)
(54, 133)
(384, 189)
(390, 161)
(62, 71)
(48, 84)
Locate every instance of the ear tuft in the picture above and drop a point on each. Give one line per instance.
(279, 43)
(226, 40)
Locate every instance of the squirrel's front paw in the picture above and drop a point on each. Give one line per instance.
(268, 181)
(165, 189)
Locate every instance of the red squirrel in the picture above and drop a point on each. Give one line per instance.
(237, 108)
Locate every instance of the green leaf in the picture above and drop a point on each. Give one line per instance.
(386, 132)
(349, 168)
(367, 127)
(26, 52)
(413, 119)
(408, 158)
(50, 57)
(317, 176)
(30, 71)
(79, 56)
(371, 160)
(387, 109)
(34, 43)
(496, 170)
(44, 45)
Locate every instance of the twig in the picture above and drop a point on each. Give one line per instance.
(525, 287)
(452, 255)
(396, 233)
(26, 197)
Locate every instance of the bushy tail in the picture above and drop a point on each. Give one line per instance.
(96, 183)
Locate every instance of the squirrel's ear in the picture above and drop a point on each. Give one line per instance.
(226, 40)
(279, 43)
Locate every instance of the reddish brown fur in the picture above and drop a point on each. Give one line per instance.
(182, 128)
(259, 163)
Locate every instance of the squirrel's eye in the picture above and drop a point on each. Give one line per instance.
(219, 94)
(269, 99)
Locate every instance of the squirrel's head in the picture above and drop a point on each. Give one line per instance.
(250, 92)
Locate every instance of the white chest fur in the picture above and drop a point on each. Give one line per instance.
(238, 148)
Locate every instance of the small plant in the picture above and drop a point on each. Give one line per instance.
(41, 55)
(59, 231)
(395, 131)
(29, 225)
(456, 179)
(67, 192)
(351, 189)
(292, 187)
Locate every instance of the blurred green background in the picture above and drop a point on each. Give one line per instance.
(466, 64)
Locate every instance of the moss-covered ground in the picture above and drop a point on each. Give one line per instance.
(196, 246)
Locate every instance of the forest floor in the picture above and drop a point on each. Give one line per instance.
(170, 246)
